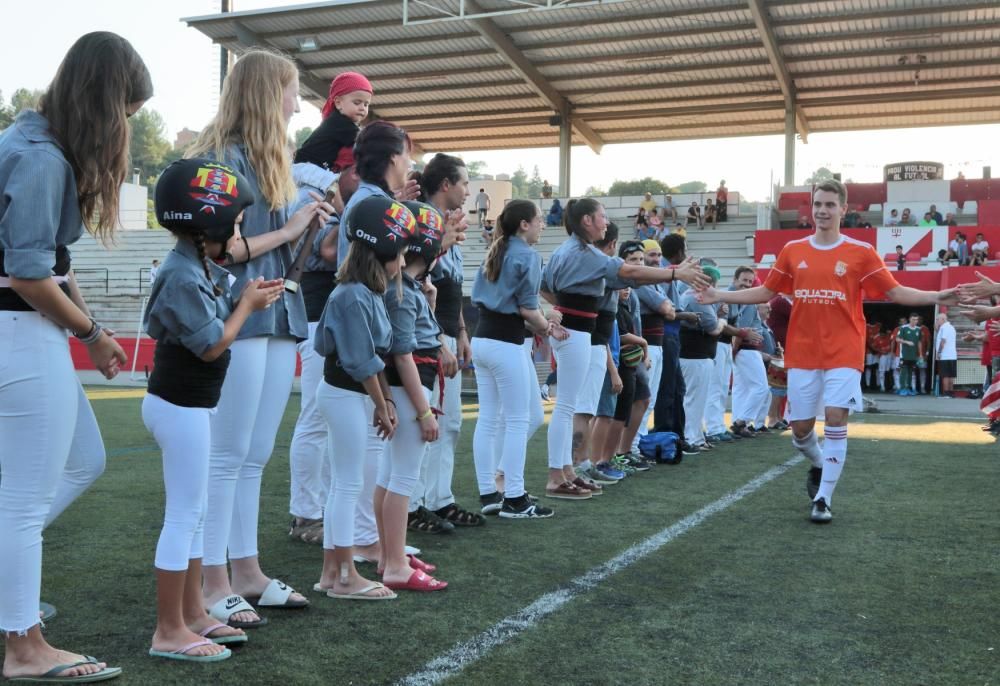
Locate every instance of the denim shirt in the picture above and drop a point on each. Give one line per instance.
(312, 178)
(365, 190)
(413, 323)
(183, 308)
(518, 283)
(287, 316)
(580, 268)
(356, 326)
(39, 208)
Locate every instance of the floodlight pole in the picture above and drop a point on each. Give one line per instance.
(789, 146)
(227, 6)
(565, 150)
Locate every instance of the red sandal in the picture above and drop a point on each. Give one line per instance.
(418, 581)
(415, 563)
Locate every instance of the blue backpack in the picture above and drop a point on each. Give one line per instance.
(661, 446)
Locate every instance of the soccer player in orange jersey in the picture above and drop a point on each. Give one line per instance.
(828, 275)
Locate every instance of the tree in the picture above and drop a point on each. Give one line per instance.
(594, 192)
(6, 114)
(821, 174)
(24, 99)
(640, 187)
(148, 146)
(301, 135)
(519, 183)
(475, 168)
(692, 187)
(534, 188)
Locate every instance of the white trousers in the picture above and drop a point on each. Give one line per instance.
(184, 435)
(505, 397)
(244, 426)
(348, 414)
(699, 377)
(399, 465)
(573, 358)
(50, 452)
(310, 468)
(655, 372)
(750, 391)
(589, 396)
(434, 489)
(718, 392)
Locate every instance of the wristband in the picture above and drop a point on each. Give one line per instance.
(390, 400)
(246, 245)
(744, 333)
(92, 334)
(425, 415)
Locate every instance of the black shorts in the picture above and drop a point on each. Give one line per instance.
(947, 369)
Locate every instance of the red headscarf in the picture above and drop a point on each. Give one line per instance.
(345, 83)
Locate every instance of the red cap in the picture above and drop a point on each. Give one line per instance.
(345, 83)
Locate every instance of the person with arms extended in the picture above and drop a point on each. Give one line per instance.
(828, 275)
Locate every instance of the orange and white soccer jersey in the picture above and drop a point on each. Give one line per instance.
(827, 284)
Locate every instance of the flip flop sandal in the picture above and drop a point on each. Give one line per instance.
(46, 611)
(223, 611)
(415, 563)
(362, 594)
(229, 639)
(418, 581)
(181, 653)
(52, 676)
(459, 517)
(277, 596)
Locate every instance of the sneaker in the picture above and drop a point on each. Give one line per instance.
(690, 450)
(607, 470)
(740, 430)
(780, 425)
(761, 430)
(523, 508)
(705, 447)
(812, 481)
(544, 389)
(821, 513)
(597, 476)
(490, 503)
(634, 461)
(621, 464)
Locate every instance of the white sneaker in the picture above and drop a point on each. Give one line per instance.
(821, 513)
(544, 390)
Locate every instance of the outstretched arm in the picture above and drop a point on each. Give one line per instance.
(748, 296)
(904, 295)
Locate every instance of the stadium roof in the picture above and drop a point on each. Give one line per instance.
(491, 74)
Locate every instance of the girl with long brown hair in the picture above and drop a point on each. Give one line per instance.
(60, 171)
(250, 134)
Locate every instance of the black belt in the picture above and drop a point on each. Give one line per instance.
(10, 300)
(335, 375)
(580, 303)
(508, 328)
(184, 379)
(603, 328)
(428, 372)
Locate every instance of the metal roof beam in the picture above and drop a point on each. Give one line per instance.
(523, 66)
(893, 51)
(762, 20)
(936, 9)
(892, 34)
(896, 68)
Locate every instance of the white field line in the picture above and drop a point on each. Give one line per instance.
(463, 654)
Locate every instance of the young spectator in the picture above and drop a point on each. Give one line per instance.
(852, 219)
(710, 212)
(750, 387)
(555, 215)
(946, 353)
(331, 145)
(943, 257)
(482, 205)
(680, 230)
(698, 342)
(648, 203)
(900, 259)
(546, 190)
(694, 215)
(936, 216)
(669, 208)
(487, 234)
(910, 351)
(893, 219)
(962, 250)
(928, 220)
(981, 248)
(722, 202)
(641, 225)
(156, 268)
(655, 223)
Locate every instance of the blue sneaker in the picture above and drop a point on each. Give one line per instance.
(720, 438)
(607, 470)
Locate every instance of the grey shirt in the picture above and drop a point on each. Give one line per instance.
(580, 268)
(745, 316)
(708, 319)
(355, 325)
(183, 308)
(287, 316)
(651, 297)
(365, 190)
(413, 323)
(39, 209)
(518, 283)
(449, 266)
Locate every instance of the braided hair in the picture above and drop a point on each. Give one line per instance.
(510, 219)
(198, 238)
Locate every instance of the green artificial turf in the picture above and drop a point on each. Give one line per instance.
(902, 588)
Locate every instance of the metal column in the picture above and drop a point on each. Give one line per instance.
(789, 146)
(565, 146)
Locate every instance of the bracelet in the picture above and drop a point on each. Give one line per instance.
(92, 335)
(390, 400)
(246, 245)
(425, 415)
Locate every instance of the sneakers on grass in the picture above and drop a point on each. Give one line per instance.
(622, 465)
(821, 513)
(523, 508)
(490, 503)
(634, 461)
(608, 471)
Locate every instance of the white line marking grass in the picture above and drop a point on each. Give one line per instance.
(468, 652)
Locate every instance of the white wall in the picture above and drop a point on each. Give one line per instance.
(132, 206)
(499, 190)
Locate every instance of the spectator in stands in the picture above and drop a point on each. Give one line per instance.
(942, 257)
(648, 203)
(981, 247)
(680, 230)
(950, 220)
(655, 224)
(547, 190)
(722, 202)
(978, 260)
(900, 259)
(804, 223)
(928, 220)
(893, 219)
(710, 214)
(936, 216)
(555, 216)
(156, 267)
(482, 205)
(852, 219)
(958, 249)
(946, 351)
(669, 208)
(907, 219)
(488, 232)
(642, 231)
(694, 215)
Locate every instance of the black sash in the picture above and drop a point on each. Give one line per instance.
(184, 379)
(449, 306)
(508, 328)
(10, 300)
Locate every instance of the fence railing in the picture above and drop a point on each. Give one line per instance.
(102, 275)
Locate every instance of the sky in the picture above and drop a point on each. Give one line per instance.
(184, 67)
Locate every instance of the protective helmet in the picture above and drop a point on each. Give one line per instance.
(383, 225)
(426, 242)
(199, 195)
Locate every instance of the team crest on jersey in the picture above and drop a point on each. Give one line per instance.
(840, 269)
(216, 186)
